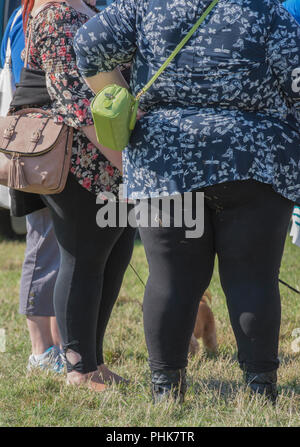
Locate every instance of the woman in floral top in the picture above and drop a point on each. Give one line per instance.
(223, 119)
(93, 259)
(53, 53)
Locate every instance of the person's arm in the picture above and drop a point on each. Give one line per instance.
(283, 54)
(97, 83)
(100, 80)
(105, 42)
(115, 157)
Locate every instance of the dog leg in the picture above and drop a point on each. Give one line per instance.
(194, 345)
(205, 327)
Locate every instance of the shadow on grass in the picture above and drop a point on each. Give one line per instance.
(227, 390)
(287, 359)
(291, 388)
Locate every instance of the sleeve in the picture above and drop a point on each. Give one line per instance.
(108, 39)
(283, 53)
(53, 52)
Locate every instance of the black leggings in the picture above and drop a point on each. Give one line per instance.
(93, 263)
(246, 224)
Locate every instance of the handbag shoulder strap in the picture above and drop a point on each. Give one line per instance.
(8, 47)
(178, 48)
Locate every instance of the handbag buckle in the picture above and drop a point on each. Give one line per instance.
(8, 133)
(35, 136)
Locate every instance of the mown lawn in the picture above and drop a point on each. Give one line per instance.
(216, 396)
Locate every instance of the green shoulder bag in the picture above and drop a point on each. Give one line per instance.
(114, 109)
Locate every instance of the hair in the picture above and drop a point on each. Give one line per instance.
(27, 6)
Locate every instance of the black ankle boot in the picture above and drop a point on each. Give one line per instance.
(168, 383)
(263, 383)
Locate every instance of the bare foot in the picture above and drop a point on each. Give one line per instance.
(108, 376)
(91, 380)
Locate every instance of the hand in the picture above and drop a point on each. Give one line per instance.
(115, 157)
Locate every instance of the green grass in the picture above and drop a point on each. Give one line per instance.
(216, 395)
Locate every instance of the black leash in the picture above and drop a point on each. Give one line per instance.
(290, 287)
(282, 282)
(138, 275)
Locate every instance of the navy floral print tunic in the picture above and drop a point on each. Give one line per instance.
(227, 108)
(51, 50)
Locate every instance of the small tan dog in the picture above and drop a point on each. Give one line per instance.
(205, 327)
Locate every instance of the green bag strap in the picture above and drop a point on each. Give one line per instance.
(178, 48)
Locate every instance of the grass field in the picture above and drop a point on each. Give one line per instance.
(216, 395)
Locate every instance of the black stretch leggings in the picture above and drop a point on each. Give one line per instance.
(93, 262)
(246, 225)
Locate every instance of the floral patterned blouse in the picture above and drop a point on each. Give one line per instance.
(227, 108)
(51, 50)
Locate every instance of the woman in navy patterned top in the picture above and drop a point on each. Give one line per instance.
(224, 118)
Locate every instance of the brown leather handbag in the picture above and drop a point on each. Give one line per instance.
(35, 153)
